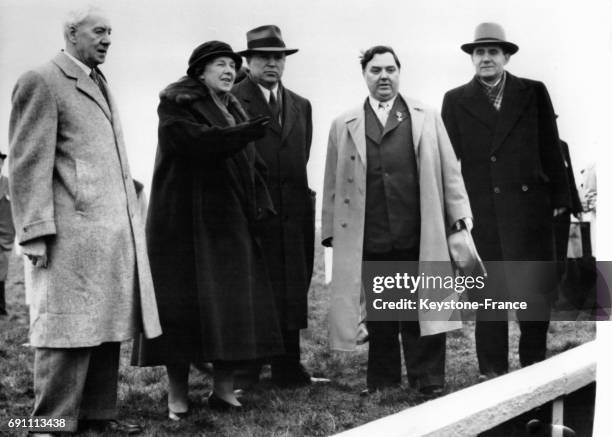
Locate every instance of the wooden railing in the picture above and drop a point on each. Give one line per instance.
(478, 408)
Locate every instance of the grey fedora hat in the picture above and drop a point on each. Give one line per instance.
(266, 38)
(490, 34)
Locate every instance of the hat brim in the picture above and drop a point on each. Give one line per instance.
(507, 46)
(286, 51)
(208, 56)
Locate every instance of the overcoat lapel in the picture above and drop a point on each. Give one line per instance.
(290, 114)
(417, 117)
(475, 101)
(255, 104)
(516, 97)
(83, 83)
(355, 123)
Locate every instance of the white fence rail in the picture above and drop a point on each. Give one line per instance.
(475, 409)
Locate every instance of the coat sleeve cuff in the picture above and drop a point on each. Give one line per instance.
(38, 229)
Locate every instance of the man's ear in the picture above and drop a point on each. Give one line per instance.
(507, 56)
(71, 33)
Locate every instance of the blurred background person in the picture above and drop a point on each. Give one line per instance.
(7, 235)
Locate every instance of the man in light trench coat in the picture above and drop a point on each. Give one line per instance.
(76, 218)
(392, 192)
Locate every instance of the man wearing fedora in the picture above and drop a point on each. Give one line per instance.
(504, 132)
(288, 237)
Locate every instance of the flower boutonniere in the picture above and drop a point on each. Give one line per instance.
(399, 116)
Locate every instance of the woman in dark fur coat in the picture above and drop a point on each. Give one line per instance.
(212, 289)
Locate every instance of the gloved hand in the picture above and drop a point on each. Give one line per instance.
(255, 128)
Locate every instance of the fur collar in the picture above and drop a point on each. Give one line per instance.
(184, 91)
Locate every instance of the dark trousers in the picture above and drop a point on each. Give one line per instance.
(424, 356)
(492, 339)
(2, 299)
(288, 365)
(77, 383)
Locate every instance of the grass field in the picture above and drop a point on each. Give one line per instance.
(311, 411)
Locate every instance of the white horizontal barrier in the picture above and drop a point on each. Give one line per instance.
(475, 409)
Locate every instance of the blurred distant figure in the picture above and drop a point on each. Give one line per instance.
(7, 234)
(562, 221)
(141, 199)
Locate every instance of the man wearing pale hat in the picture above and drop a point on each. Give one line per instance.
(288, 237)
(504, 132)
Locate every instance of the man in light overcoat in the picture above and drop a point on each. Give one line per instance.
(392, 192)
(504, 132)
(76, 217)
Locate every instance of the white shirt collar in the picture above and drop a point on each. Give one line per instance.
(374, 103)
(266, 92)
(82, 66)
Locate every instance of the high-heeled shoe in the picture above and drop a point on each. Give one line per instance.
(218, 404)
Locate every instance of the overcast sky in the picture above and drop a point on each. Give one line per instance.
(565, 44)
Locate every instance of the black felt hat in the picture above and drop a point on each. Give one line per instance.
(210, 50)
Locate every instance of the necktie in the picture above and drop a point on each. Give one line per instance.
(383, 112)
(274, 107)
(98, 81)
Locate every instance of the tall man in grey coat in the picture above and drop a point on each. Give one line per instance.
(76, 217)
(288, 237)
(504, 132)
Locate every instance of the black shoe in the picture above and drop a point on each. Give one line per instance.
(218, 404)
(112, 426)
(431, 390)
(295, 376)
(367, 392)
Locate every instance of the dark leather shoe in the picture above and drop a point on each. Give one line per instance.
(218, 404)
(112, 426)
(367, 392)
(431, 390)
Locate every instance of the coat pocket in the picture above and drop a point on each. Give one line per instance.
(88, 185)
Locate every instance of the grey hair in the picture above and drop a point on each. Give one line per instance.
(75, 17)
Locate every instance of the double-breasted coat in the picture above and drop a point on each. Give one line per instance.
(512, 166)
(70, 183)
(288, 237)
(207, 197)
(513, 171)
(443, 201)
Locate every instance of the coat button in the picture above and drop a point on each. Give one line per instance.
(524, 188)
(493, 158)
(347, 200)
(350, 180)
(344, 225)
(352, 157)
(496, 190)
